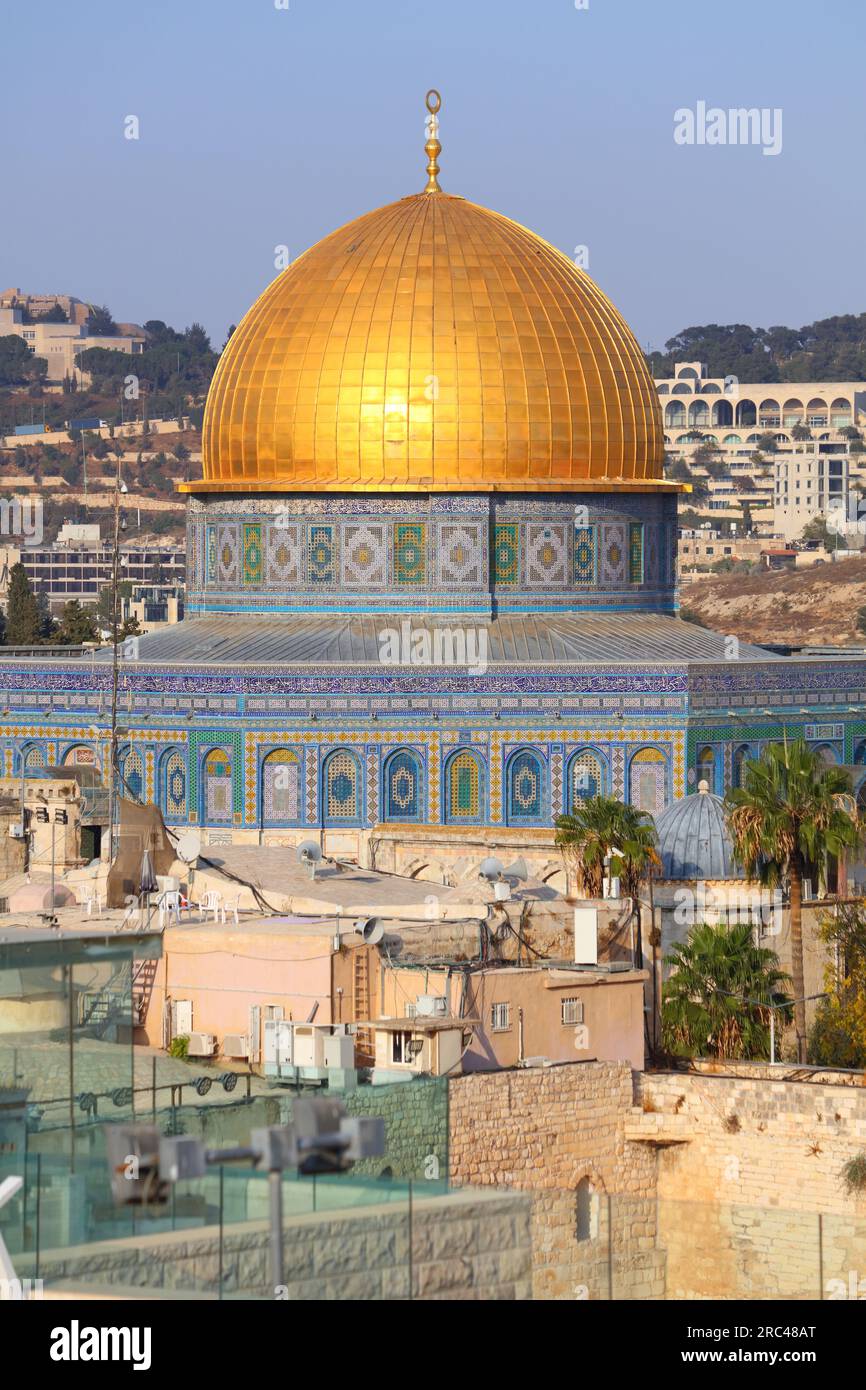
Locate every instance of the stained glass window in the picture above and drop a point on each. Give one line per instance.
(706, 768)
(341, 787)
(133, 776)
(402, 787)
(525, 786)
(174, 785)
(464, 787)
(586, 778)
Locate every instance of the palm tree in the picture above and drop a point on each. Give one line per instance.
(789, 814)
(603, 831)
(586, 838)
(716, 1003)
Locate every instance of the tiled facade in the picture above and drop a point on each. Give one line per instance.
(469, 553)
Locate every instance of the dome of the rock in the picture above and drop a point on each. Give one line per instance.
(431, 345)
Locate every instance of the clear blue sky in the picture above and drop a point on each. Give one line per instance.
(262, 126)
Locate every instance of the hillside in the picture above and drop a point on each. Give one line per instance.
(812, 606)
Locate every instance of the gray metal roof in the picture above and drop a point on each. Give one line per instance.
(694, 843)
(532, 639)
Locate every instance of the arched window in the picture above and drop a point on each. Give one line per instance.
(723, 413)
(738, 762)
(706, 768)
(173, 784)
(585, 778)
(828, 755)
(281, 788)
(34, 756)
(675, 415)
(464, 795)
(525, 784)
(341, 801)
(132, 771)
(217, 779)
(747, 413)
(402, 787)
(586, 1211)
(699, 414)
(860, 752)
(647, 780)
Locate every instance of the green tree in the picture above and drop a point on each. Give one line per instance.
(602, 831)
(77, 625)
(789, 815)
(22, 610)
(838, 1036)
(800, 433)
(716, 1000)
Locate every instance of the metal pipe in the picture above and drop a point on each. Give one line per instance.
(275, 1194)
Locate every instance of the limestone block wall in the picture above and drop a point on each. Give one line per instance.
(545, 1130)
(753, 1203)
(463, 1246)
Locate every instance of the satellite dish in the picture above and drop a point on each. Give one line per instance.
(372, 929)
(517, 870)
(188, 846)
(490, 868)
(309, 853)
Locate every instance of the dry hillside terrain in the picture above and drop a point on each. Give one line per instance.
(810, 606)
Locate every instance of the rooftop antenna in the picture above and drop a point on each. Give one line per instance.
(433, 148)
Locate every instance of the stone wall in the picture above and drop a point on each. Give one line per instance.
(547, 1129)
(751, 1198)
(463, 1246)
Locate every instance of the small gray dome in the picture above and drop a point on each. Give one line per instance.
(693, 839)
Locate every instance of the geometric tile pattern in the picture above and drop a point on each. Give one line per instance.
(253, 555)
(546, 554)
(635, 553)
(402, 787)
(647, 781)
(613, 553)
(283, 555)
(217, 773)
(281, 787)
(506, 553)
(525, 787)
(461, 553)
(228, 568)
(586, 778)
(585, 555)
(365, 559)
(321, 568)
(410, 553)
(464, 787)
(174, 786)
(341, 787)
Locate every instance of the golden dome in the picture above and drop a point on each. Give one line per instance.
(431, 345)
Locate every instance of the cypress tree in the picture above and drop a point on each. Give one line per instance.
(22, 610)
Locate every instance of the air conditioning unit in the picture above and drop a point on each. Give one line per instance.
(431, 1006)
(201, 1045)
(339, 1051)
(17, 831)
(236, 1045)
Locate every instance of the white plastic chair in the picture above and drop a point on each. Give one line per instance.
(171, 903)
(211, 901)
(231, 910)
(93, 900)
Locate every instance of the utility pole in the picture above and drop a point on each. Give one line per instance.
(119, 487)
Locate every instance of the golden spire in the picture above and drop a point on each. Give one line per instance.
(433, 149)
